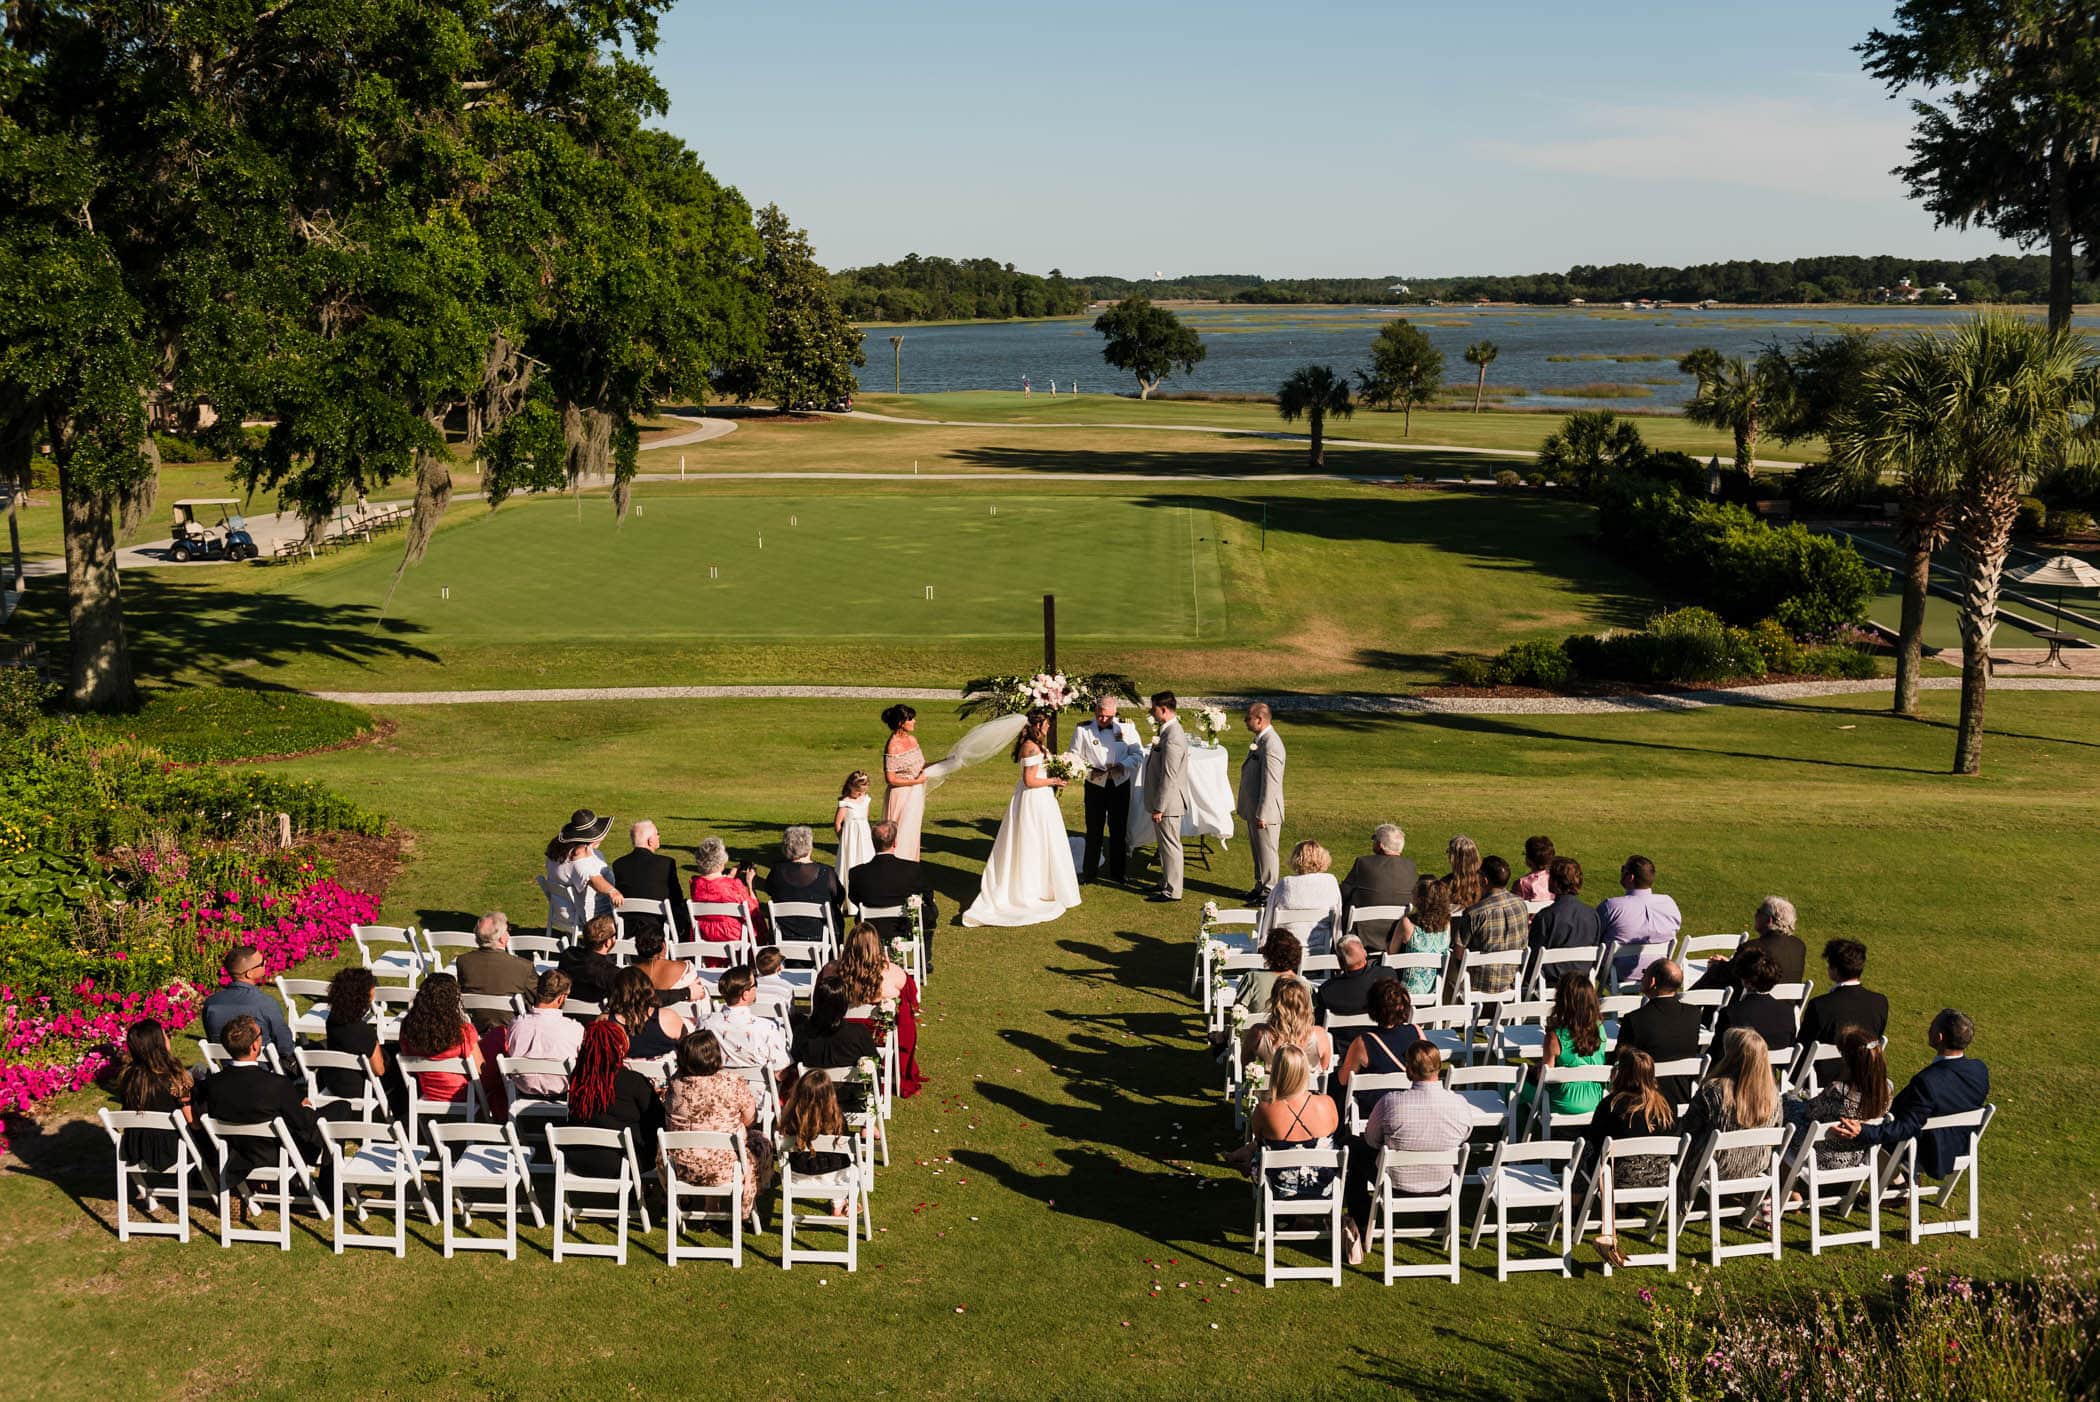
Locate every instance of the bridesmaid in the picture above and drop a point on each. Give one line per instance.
(904, 767)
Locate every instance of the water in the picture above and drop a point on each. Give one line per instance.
(1252, 349)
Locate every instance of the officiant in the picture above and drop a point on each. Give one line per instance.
(1108, 747)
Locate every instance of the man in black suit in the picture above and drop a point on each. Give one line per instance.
(1567, 923)
(1954, 1082)
(243, 1091)
(1848, 1003)
(1754, 1007)
(887, 879)
(1665, 1026)
(1381, 877)
(1775, 936)
(1348, 993)
(589, 962)
(646, 873)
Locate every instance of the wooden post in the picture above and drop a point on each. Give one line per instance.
(1050, 651)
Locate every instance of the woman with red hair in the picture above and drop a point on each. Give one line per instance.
(604, 1093)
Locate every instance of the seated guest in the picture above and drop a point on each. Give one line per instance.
(243, 996)
(351, 1028)
(645, 873)
(1640, 925)
(717, 885)
(773, 985)
(579, 883)
(1381, 877)
(1848, 1003)
(1378, 1050)
(828, 1040)
(1859, 1091)
(1574, 1037)
(1738, 1093)
(1310, 886)
(546, 1033)
(1291, 1115)
(1497, 921)
(435, 1027)
(1348, 993)
(1426, 929)
(887, 880)
(798, 878)
(812, 1111)
(1754, 1007)
(1952, 1083)
(589, 962)
(151, 1080)
(673, 980)
(652, 1029)
(700, 1097)
(1533, 886)
(1463, 880)
(1634, 1108)
(1280, 959)
(865, 969)
(1567, 923)
(1428, 1115)
(1290, 1024)
(605, 1093)
(745, 1038)
(243, 1091)
(490, 969)
(1665, 1026)
(1775, 936)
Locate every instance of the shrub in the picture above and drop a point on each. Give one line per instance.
(1465, 474)
(2032, 516)
(1471, 669)
(220, 723)
(176, 449)
(1687, 645)
(1591, 447)
(1539, 663)
(1507, 478)
(1534, 479)
(1776, 647)
(2065, 522)
(1841, 661)
(23, 698)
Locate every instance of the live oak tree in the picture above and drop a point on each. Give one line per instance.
(1406, 370)
(1148, 341)
(807, 352)
(2011, 137)
(1312, 392)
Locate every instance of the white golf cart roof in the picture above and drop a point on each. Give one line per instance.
(209, 501)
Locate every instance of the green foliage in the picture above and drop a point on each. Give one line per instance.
(1537, 663)
(1508, 477)
(1406, 371)
(1472, 669)
(24, 697)
(809, 349)
(2068, 521)
(1838, 661)
(1148, 341)
(1592, 447)
(45, 884)
(1689, 645)
(948, 289)
(1313, 392)
(1534, 479)
(2031, 516)
(222, 723)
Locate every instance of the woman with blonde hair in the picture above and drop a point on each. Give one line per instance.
(1292, 1116)
(1290, 1024)
(1464, 881)
(1309, 886)
(1738, 1093)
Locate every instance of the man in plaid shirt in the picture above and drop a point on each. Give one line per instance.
(1496, 922)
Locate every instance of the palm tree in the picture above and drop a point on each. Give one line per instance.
(1891, 428)
(1313, 392)
(2003, 399)
(1481, 354)
(1737, 395)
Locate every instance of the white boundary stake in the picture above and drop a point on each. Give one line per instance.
(929, 593)
(761, 540)
(446, 592)
(713, 572)
(794, 520)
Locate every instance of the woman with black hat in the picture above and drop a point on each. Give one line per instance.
(575, 870)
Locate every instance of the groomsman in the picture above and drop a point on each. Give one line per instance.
(1261, 798)
(1108, 749)
(1166, 791)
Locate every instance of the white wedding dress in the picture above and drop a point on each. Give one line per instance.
(1029, 878)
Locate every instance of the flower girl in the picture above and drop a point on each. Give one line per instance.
(856, 843)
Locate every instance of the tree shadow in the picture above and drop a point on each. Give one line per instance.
(1198, 457)
(74, 1156)
(1505, 728)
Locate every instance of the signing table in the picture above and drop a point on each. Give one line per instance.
(1210, 798)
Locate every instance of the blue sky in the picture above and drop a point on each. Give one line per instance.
(1304, 139)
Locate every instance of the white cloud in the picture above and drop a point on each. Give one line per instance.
(1795, 147)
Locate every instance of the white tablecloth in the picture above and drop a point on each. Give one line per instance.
(1210, 798)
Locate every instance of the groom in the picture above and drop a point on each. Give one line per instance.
(1166, 787)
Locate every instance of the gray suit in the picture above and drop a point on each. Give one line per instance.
(1166, 793)
(1261, 802)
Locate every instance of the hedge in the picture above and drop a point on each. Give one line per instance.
(1692, 645)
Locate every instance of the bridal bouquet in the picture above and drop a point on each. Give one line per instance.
(1007, 695)
(1069, 770)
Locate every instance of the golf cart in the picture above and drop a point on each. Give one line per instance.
(228, 540)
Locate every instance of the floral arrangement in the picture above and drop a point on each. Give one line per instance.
(865, 1072)
(1254, 1080)
(1069, 770)
(1211, 722)
(986, 698)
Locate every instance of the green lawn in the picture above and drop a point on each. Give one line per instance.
(1063, 1160)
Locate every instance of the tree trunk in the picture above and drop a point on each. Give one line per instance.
(1480, 388)
(2063, 251)
(98, 678)
(1745, 447)
(1316, 451)
(1407, 418)
(1917, 582)
(1145, 387)
(1986, 532)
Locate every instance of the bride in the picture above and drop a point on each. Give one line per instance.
(1029, 877)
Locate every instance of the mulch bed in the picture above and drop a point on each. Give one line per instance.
(363, 863)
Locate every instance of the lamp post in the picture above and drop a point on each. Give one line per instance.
(897, 358)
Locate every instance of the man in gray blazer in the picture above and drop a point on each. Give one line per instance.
(1166, 791)
(1261, 798)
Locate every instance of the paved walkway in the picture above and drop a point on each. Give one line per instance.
(1355, 703)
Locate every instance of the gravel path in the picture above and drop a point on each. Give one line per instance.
(1355, 703)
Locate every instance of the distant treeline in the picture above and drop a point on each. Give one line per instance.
(948, 289)
(935, 289)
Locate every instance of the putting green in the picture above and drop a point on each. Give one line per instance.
(802, 566)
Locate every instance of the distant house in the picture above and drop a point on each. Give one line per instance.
(1577, 302)
(1907, 291)
(1401, 289)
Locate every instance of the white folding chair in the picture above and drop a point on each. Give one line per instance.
(1795, 996)
(1693, 951)
(887, 1059)
(269, 1184)
(370, 1101)
(1653, 1208)
(1376, 915)
(1435, 961)
(1480, 967)
(677, 1191)
(313, 1020)
(562, 1140)
(1688, 1069)
(1229, 932)
(1226, 977)
(507, 1004)
(744, 948)
(215, 1056)
(135, 1182)
(526, 1109)
(1315, 925)
(423, 1112)
(1517, 1031)
(1323, 1212)
(1546, 1122)
(1392, 1204)
(843, 1187)
(485, 1160)
(1316, 969)
(1749, 1191)
(820, 912)
(1913, 1190)
(370, 1154)
(636, 905)
(399, 959)
(1543, 975)
(1530, 1178)
(1366, 1089)
(543, 950)
(436, 943)
(1449, 1028)
(1492, 1091)
(565, 929)
(1836, 1190)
